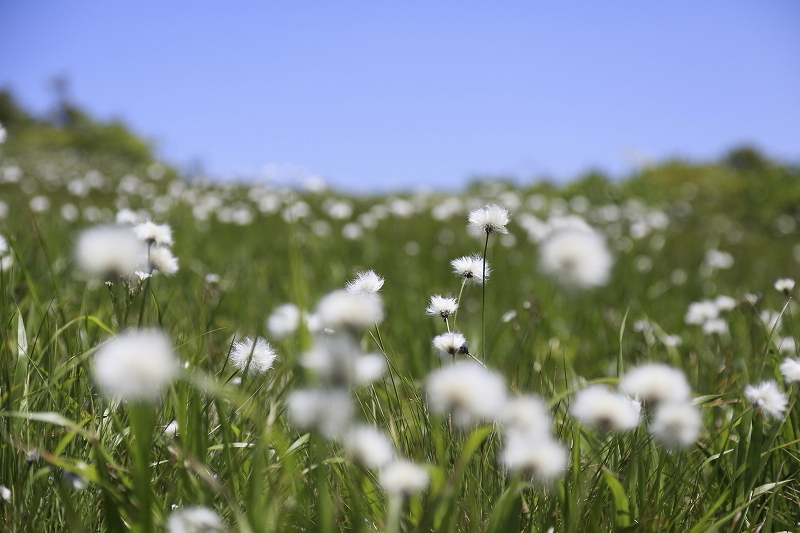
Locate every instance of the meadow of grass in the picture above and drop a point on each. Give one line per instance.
(219, 437)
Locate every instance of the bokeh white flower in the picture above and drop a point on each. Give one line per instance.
(599, 407)
(468, 391)
(194, 520)
(655, 383)
(578, 258)
(135, 365)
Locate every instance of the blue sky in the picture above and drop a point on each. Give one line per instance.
(376, 95)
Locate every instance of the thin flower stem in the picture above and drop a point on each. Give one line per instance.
(458, 301)
(483, 299)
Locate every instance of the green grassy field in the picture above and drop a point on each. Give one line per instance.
(262, 457)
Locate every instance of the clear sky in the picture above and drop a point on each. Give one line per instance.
(388, 94)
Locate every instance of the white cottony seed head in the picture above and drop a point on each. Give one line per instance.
(441, 307)
(284, 320)
(255, 355)
(467, 390)
(152, 233)
(135, 365)
(490, 219)
(597, 406)
(109, 251)
(784, 285)
(368, 446)
(403, 477)
(471, 268)
(676, 424)
(576, 257)
(353, 311)
(767, 398)
(365, 283)
(655, 383)
(194, 520)
(790, 368)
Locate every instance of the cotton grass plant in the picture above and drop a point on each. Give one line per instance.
(360, 405)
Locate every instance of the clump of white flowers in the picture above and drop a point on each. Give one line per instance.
(135, 366)
(576, 257)
(255, 355)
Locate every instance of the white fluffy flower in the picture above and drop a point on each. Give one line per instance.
(194, 520)
(284, 320)
(471, 268)
(109, 251)
(326, 411)
(338, 359)
(576, 257)
(135, 365)
(365, 283)
(153, 233)
(772, 320)
(784, 285)
(767, 398)
(655, 383)
(368, 446)
(171, 429)
(450, 343)
(598, 406)
(787, 346)
(490, 219)
(540, 458)
(441, 306)
(468, 390)
(715, 326)
(342, 309)
(676, 424)
(725, 303)
(527, 414)
(403, 477)
(790, 368)
(161, 259)
(255, 355)
(701, 312)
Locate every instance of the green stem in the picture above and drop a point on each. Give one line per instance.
(141, 420)
(483, 299)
